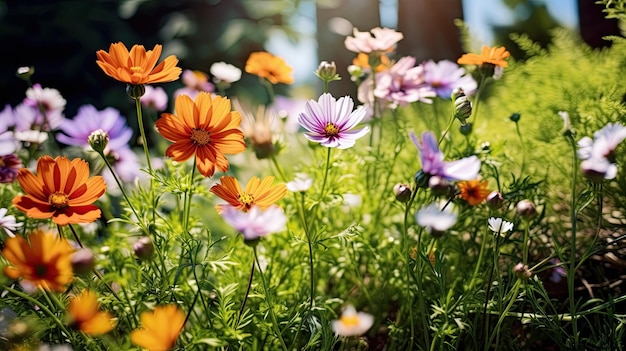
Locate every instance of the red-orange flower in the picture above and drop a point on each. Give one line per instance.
(85, 314)
(44, 261)
(270, 67)
(61, 190)
(473, 191)
(137, 66)
(495, 56)
(160, 329)
(206, 128)
(260, 193)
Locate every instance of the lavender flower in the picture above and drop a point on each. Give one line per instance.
(403, 84)
(445, 75)
(255, 223)
(154, 98)
(435, 221)
(433, 164)
(598, 154)
(9, 165)
(330, 122)
(88, 120)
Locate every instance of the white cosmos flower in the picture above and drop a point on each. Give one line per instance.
(352, 323)
(499, 226)
(8, 223)
(300, 184)
(225, 72)
(434, 219)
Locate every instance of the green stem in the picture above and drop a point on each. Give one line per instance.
(571, 274)
(142, 132)
(268, 299)
(483, 79)
(187, 202)
(521, 140)
(504, 313)
(325, 173)
(270, 89)
(311, 255)
(278, 168)
(407, 256)
(41, 306)
(245, 298)
(445, 132)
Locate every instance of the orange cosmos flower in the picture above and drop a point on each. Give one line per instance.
(85, 314)
(270, 67)
(61, 190)
(160, 328)
(257, 192)
(474, 191)
(362, 60)
(206, 128)
(495, 56)
(44, 261)
(137, 67)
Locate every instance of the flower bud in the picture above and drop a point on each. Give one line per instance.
(466, 129)
(98, 140)
(25, 72)
(462, 106)
(521, 271)
(515, 117)
(495, 200)
(525, 209)
(422, 179)
(135, 92)
(83, 261)
(356, 72)
(402, 192)
(327, 71)
(144, 248)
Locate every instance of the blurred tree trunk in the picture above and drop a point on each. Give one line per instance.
(429, 30)
(593, 24)
(362, 14)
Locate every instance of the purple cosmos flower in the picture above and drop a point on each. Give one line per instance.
(330, 122)
(155, 98)
(379, 40)
(598, 154)
(126, 166)
(9, 165)
(255, 223)
(8, 144)
(433, 164)
(445, 75)
(88, 120)
(403, 84)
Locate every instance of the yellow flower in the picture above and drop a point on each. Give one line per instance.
(495, 56)
(138, 66)
(85, 314)
(474, 191)
(44, 261)
(257, 192)
(160, 330)
(270, 67)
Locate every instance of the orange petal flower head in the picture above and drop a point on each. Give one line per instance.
(257, 192)
(495, 56)
(61, 190)
(160, 329)
(270, 67)
(44, 261)
(362, 60)
(206, 128)
(474, 191)
(84, 311)
(138, 66)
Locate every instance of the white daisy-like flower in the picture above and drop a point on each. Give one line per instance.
(225, 72)
(499, 226)
(352, 323)
(598, 154)
(436, 221)
(8, 223)
(300, 184)
(31, 136)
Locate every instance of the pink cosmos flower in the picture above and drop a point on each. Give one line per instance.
(9, 165)
(445, 75)
(377, 40)
(330, 122)
(255, 223)
(433, 164)
(598, 154)
(403, 84)
(154, 98)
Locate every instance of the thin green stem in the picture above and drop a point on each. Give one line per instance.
(268, 299)
(187, 202)
(523, 146)
(407, 257)
(481, 87)
(311, 255)
(270, 89)
(447, 130)
(119, 184)
(325, 173)
(42, 307)
(245, 297)
(278, 168)
(571, 274)
(142, 132)
(504, 313)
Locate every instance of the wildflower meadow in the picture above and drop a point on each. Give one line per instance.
(468, 204)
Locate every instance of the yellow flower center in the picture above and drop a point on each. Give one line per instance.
(350, 321)
(136, 69)
(246, 199)
(200, 137)
(331, 129)
(58, 200)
